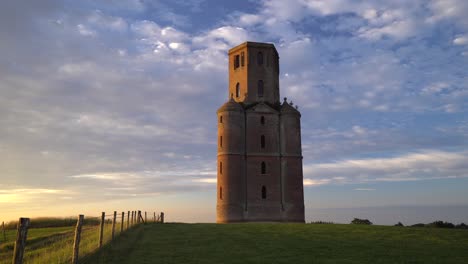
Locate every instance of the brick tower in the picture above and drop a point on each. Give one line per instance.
(259, 143)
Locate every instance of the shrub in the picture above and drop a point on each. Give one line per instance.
(358, 221)
(321, 222)
(418, 225)
(399, 224)
(441, 224)
(461, 226)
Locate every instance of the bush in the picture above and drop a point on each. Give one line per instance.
(399, 224)
(358, 221)
(441, 224)
(418, 225)
(461, 226)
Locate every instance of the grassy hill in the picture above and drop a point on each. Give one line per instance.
(284, 243)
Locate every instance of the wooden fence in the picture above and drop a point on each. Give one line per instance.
(132, 218)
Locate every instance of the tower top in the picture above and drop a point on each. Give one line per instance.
(254, 73)
(251, 44)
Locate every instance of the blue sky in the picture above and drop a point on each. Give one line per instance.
(110, 105)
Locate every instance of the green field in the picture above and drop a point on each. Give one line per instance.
(53, 244)
(284, 243)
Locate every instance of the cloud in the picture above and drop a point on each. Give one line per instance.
(427, 165)
(461, 40)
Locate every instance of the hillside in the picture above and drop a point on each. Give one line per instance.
(284, 243)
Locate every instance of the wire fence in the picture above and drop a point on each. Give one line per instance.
(34, 243)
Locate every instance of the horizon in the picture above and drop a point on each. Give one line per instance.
(107, 106)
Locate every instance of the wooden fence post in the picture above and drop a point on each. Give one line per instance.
(162, 217)
(154, 217)
(76, 243)
(122, 223)
(138, 217)
(3, 228)
(128, 219)
(132, 219)
(101, 234)
(113, 224)
(145, 217)
(20, 243)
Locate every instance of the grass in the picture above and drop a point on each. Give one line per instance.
(284, 243)
(54, 245)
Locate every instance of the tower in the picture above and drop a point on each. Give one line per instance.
(259, 143)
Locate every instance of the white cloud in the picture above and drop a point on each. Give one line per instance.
(85, 31)
(425, 165)
(461, 40)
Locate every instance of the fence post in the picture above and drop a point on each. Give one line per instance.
(20, 242)
(128, 219)
(132, 219)
(76, 243)
(162, 217)
(154, 217)
(113, 224)
(122, 223)
(145, 217)
(3, 228)
(101, 234)
(138, 216)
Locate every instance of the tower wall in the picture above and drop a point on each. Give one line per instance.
(231, 166)
(291, 163)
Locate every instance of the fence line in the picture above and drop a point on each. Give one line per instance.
(133, 218)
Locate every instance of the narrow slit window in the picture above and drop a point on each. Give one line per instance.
(263, 167)
(220, 141)
(242, 59)
(260, 88)
(236, 61)
(220, 167)
(221, 119)
(237, 90)
(262, 141)
(262, 120)
(260, 58)
(220, 193)
(264, 192)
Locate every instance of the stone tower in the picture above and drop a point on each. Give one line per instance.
(259, 143)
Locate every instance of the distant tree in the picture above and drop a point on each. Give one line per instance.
(399, 224)
(441, 224)
(461, 226)
(321, 222)
(358, 221)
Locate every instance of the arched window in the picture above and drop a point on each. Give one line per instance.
(263, 167)
(236, 61)
(221, 119)
(220, 167)
(220, 141)
(262, 120)
(237, 90)
(264, 194)
(262, 141)
(260, 58)
(260, 88)
(220, 193)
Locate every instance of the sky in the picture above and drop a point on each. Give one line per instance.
(111, 105)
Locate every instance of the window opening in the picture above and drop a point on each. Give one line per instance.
(220, 141)
(262, 141)
(260, 88)
(263, 167)
(264, 192)
(260, 58)
(220, 167)
(242, 59)
(236, 61)
(237, 90)
(262, 120)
